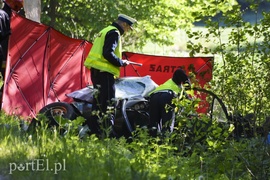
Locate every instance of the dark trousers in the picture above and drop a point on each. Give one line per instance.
(104, 83)
(161, 112)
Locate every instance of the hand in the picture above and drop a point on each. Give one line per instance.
(125, 62)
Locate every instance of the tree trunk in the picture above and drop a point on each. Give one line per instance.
(32, 9)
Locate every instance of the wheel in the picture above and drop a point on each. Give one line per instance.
(54, 113)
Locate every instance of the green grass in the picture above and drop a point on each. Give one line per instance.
(47, 155)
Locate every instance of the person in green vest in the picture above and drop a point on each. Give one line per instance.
(104, 61)
(161, 108)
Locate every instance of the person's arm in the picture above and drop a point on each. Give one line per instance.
(110, 44)
(4, 25)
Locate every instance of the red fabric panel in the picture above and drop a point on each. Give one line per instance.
(43, 65)
(161, 68)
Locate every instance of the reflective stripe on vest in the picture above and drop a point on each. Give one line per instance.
(168, 85)
(95, 58)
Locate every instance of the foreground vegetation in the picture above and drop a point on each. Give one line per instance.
(45, 154)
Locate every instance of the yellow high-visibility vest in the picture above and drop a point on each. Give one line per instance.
(95, 58)
(168, 85)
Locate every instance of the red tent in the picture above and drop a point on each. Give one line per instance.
(43, 65)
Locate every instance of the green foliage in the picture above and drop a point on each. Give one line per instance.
(48, 155)
(197, 132)
(241, 76)
(156, 19)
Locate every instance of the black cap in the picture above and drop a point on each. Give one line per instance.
(179, 77)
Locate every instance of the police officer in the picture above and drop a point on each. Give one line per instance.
(162, 110)
(104, 62)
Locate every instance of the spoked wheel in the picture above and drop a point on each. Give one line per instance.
(55, 113)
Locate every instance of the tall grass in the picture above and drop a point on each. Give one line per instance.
(45, 154)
